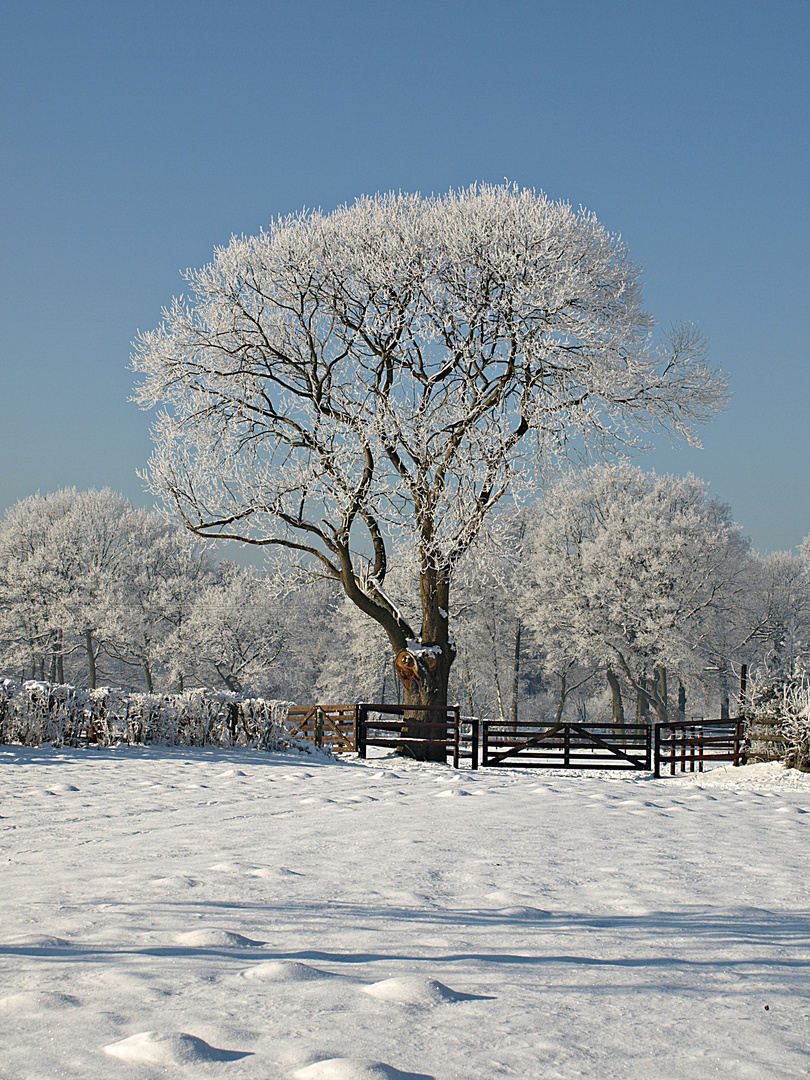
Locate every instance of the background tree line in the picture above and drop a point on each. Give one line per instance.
(620, 594)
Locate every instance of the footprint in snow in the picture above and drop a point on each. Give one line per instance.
(216, 938)
(355, 1069)
(154, 1048)
(414, 990)
(283, 971)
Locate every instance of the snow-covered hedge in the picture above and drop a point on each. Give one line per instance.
(34, 713)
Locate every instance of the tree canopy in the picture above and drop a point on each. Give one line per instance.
(397, 366)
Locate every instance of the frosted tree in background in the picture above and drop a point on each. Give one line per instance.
(164, 572)
(59, 555)
(395, 368)
(636, 573)
(234, 631)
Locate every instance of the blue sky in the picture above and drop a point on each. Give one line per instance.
(136, 137)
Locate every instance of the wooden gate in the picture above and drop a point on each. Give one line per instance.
(442, 734)
(532, 745)
(683, 747)
(333, 726)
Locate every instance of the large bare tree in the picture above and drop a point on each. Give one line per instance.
(395, 368)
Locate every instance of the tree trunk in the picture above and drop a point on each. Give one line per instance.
(147, 674)
(642, 702)
(424, 670)
(561, 698)
(60, 659)
(468, 685)
(616, 696)
(516, 677)
(682, 700)
(91, 657)
(661, 681)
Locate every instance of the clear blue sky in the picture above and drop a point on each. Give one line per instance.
(135, 137)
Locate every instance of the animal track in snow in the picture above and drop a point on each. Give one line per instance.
(154, 1048)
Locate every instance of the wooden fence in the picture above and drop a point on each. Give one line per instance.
(445, 735)
(684, 747)
(441, 735)
(332, 726)
(766, 739)
(537, 745)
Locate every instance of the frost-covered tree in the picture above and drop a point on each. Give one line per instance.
(396, 367)
(234, 631)
(778, 611)
(636, 573)
(59, 556)
(775, 628)
(162, 574)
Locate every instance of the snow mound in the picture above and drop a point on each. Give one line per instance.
(176, 881)
(769, 774)
(153, 1048)
(40, 941)
(412, 990)
(217, 938)
(31, 1003)
(283, 971)
(354, 1069)
(60, 789)
(521, 911)
(451, 793)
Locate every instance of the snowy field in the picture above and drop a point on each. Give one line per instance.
(231, 914)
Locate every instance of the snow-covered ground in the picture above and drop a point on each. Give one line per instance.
(232, 914)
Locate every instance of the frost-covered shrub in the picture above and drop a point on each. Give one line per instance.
(780, 720)
(796, 724)
(34, 713)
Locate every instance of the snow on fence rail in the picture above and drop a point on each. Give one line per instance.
(33, 713)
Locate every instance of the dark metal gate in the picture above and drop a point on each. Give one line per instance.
(533, 745)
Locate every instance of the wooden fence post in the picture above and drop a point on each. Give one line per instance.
(318, 726)
(361, 730)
